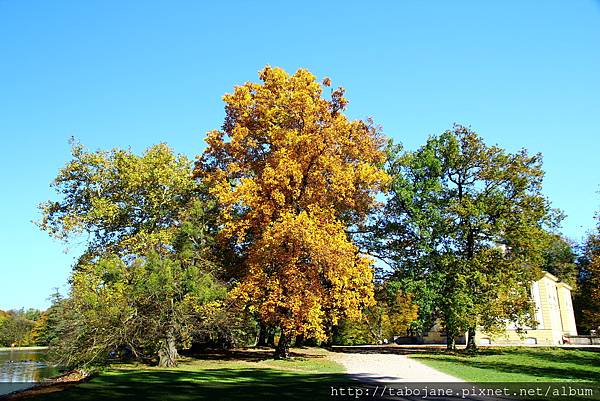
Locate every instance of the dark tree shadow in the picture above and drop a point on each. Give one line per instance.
(212, 384)
(383, 349)
(247, 355)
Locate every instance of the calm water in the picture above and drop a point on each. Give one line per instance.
(23, 368)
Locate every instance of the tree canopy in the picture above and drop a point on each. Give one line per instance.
(462, 225)
(122, 202)
(291, 172)
(276, 225)
(17, 327)
(587, 298)
(150, 265)
(559, 257)
(146, 308)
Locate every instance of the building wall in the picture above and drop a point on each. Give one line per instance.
(566, 309)
(512, 337)
(554, 313)
(437, 335)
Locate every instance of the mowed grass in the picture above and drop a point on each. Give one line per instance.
(518, 364)
(238, 375)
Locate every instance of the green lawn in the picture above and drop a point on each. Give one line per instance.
(518, 364)
(240, 375)
(253, 374)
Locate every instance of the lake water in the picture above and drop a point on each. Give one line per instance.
(23, 368)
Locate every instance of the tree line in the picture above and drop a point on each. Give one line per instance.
(21, 328)
(299, 225)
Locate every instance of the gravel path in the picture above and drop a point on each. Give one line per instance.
(383, 369)
(389, 368)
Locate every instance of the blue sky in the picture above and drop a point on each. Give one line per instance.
(134, 73)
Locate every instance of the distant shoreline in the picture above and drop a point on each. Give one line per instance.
(36, 348)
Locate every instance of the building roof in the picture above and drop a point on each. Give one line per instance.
(556, 280)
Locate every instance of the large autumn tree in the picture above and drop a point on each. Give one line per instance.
(291, 173)
(464, 228)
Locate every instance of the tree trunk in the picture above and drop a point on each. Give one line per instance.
(261, 338)
(331, 332)
(299, 340)
(471, 346)
(167, 355)
(283, 348)
(271, 337)
(450, 342)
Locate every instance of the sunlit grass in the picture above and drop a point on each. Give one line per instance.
(518, 364)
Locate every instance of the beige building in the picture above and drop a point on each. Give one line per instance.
(554, 314)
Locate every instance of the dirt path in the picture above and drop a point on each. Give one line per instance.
(389, 368)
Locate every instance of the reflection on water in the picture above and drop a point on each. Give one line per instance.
(23, 366)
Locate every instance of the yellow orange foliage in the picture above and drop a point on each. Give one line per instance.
(291, 172)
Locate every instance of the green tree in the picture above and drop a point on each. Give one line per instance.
(46, 329)
(559, 258)
(150, 268)
(352, 332)
(3, 317)
(462, 228)
(148, 307)
(16, 327)
(586, 301)
(392, 315)
(123, 203)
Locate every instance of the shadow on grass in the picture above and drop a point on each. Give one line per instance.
(375, 349)
(214, 384)
(246, 355)
(231, 355)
